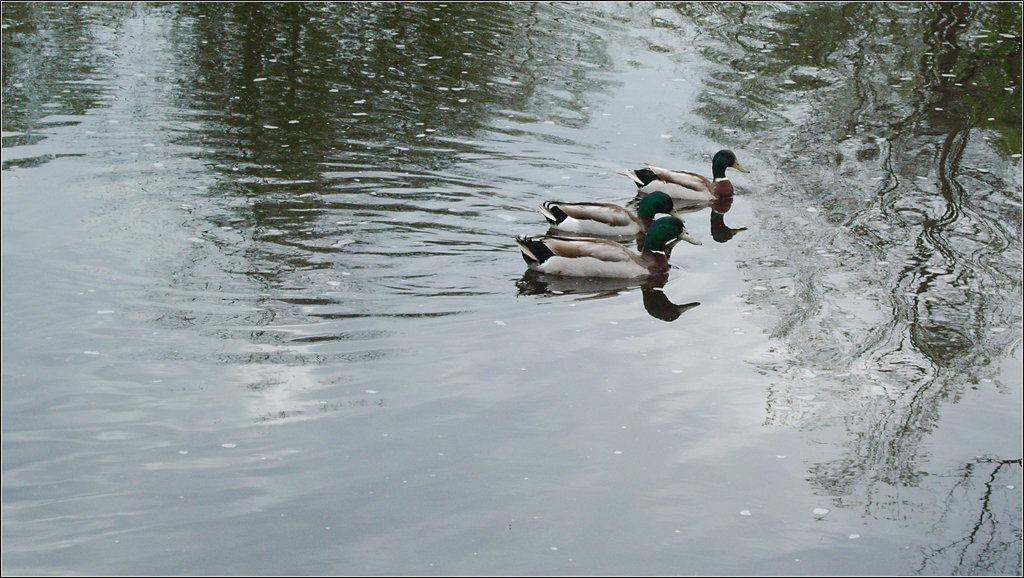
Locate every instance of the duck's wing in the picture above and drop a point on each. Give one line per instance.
(686, 179)
(606, 213)
(576, 247)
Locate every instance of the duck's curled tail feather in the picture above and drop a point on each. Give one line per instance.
(553, 213)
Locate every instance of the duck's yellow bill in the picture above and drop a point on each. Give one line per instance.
(690, 239)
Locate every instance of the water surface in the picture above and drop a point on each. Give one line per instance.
(263, 312)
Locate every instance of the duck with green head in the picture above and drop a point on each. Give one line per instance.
(592, 257)
(687, 186)
(608, 219)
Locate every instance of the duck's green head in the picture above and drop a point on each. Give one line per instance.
(724, 159)
(665, 233)
(654, 203)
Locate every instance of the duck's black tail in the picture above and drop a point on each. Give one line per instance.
(553, 213)
(642, 177)
(534, 250)
(645, 175)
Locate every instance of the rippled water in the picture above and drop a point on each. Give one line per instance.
(263, 312)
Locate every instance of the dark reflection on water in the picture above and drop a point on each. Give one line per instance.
(655, 302)
(290, 225)
(335, 126)
(659, 306)
(720, 231)
(43, 84)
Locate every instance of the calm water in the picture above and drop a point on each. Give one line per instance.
(263, 312)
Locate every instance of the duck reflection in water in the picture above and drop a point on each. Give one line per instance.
(720, 232)
(657, 304)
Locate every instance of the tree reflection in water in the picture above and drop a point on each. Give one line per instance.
(893, 244)
(993, 537)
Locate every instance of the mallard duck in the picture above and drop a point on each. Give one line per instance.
(607, 218)
(593, 257)
(687, 186)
